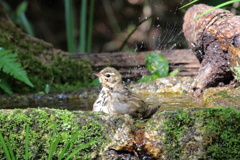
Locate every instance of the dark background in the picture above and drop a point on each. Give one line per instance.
(163, 31)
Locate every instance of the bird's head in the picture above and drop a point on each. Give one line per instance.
(109, 77)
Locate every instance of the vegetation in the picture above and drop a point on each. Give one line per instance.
(9, 153)
(19, 16)
(56, 71)
(10, 67)
(49, 134)
(218, 129)
(84, 33)
(158, 65)
(202, 133)
(216, 7)
(236, 70)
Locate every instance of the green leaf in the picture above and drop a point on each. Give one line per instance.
(86, 145)
(9, 65)
(157, 64)
(22, 7)
(27, 143)
(148, 78)
(74, 137)
(5, 148)
(174, 73)
(10, 149)
(216, 7)
(5, 87)
(188, 4)
(96, 82)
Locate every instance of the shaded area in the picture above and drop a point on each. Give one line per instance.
(43, 63)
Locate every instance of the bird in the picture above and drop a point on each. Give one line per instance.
(116, 98)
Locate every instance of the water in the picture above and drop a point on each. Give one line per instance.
(84, 99)
(172, 101)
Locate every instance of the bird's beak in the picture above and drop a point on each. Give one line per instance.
(97, 74)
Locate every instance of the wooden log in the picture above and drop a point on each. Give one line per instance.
(133, 64)
(210, 37)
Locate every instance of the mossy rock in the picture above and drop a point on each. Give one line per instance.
(222, 97)
(196, 133)
(46, 125)
(204, 133)
(44, 64)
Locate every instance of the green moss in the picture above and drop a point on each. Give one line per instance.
(222, 134)
(45, 126)
(236, 70)
(42, 68)
(176, 125)
(219, 129)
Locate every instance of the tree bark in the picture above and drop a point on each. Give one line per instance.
(215, 38)
(132, 64)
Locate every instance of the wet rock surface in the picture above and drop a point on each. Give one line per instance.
(204, 133)
(222, 97)
(183, 130)
(194, 133)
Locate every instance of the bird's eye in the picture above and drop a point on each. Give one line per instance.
(108, 75)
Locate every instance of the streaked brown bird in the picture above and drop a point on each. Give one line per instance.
(115, 98)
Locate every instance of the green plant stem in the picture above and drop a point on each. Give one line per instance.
(82, 147)
(188, 4)
(90, 26)
(130, 34)
(5, 147)
(53, 147)
(26, 24)
(27, 143)
(73, 138)
(218, 6)
(83, 16)
(10, 149)
(70, 26)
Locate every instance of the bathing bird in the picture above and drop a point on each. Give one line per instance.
(116, 98)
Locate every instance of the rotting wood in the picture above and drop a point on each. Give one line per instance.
(210, 37)
(132, 64)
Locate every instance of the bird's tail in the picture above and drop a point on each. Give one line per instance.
(150, 111)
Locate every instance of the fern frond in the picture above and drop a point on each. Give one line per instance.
(9, 65)
(5, 87)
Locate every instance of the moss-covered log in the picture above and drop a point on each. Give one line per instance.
(43, 63)
(47, 125)
(202, 133)
(209, 133)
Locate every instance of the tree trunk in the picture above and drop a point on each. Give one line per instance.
(215, 38)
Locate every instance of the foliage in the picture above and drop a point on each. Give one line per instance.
(95, 82)
(217, 127)
(19, 16)
(10, 66)
(158, 65)
(52, 134)
(59, 72)
(69, 20)
(9, 153)
(216, 7)
(69, 16)
(236, 70)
